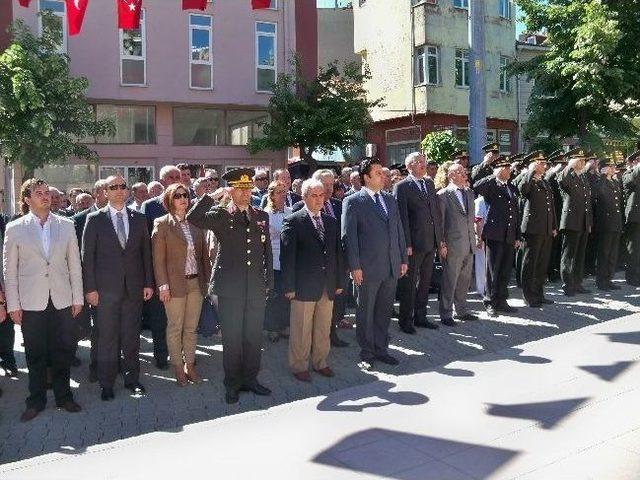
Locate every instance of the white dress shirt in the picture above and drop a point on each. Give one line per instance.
(45, 232)
(459, 196)
(372, 193)
(125, 219)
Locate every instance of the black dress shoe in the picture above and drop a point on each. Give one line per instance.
(546, 301)
(336, 341)
(256, 388)
(410, 329)
(231, 396)
(29, 414)
(70, 406)
(581, 289)
(467, 317)
(425, 324)
(76, 362)
(388, 359)
(506, 308)
(492, 311)
(533, 304)
(604, 288)
(107, 394)
(136, 388)
(613, 286)
(162, 365)
(448, 322)
(11, 371)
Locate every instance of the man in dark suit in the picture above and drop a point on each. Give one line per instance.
(422, 224)
(376, 251)
(153, 309)
(311, 261)
(242, 276)
(631, 182)
(117, 271)
(576, 221)
(539, 227)
(607, 216)
(501, 234)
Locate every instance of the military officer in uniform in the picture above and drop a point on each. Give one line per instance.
(556, 162)
(517, 173)
(242, 276)
(501, 234)
(576, 221)
(539, 227)
(631, 182)
(607, 203)
(484, 169)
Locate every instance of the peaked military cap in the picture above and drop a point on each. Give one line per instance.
(502, 161)
(459, 154)
(606, 162)
(491, 147)
(535, 156)
(576, 153)
(634, 156)
(239, 177)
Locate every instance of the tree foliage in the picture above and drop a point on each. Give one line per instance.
(586, 83)
(440, 145)
(44, 113)
(327, 112)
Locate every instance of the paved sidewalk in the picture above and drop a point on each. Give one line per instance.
(427, 408)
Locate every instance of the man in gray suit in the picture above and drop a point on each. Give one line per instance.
(456, 203)
(116, 263)
(374, 243)
(43, 282)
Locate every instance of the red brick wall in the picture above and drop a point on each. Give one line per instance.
(6, 16)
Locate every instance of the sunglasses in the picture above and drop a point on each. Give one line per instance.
(214, 179)
(181, 195)
(121, 186)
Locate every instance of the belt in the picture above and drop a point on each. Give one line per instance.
(191, 277)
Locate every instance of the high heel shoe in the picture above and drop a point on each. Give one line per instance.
(192, 375)
(181, 377)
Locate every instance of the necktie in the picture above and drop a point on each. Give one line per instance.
(122, 235)
(245, 215)
(328, 209)
(462, 200)
(378, 200)
(423, 187)
(319, 226)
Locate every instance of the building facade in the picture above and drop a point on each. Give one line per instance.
(418, 54)
(188, 86)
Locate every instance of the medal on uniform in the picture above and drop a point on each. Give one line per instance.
(263, 238)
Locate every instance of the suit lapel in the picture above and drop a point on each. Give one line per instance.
(312, 226)
(454, 199)
(372, 204)
(177, 228)
(54, 234)
(36, 236)
(132, 224)
(109, 225)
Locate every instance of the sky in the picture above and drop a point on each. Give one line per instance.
(331, 4)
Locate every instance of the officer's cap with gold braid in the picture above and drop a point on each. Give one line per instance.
(502, 161)
(239, 177)
(459, 154)
(535, 156)
(576, 153)
(491, 147)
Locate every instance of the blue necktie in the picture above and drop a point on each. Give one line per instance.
(379, 204)
(422, 186)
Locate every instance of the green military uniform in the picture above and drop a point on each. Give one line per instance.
(539, 221)
(518, 173)
(607, 202)
(242, 274)
(556, 158)
(575, 223)
(592, 245)
(631, 182)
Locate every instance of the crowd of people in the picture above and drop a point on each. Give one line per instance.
(263, 253)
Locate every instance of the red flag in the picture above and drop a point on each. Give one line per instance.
(194, 4)
(129, 12)
(24, 3)
(75, 15)
(258, 4)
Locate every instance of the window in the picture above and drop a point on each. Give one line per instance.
(427, 68)
(504, 139)
(200, 55)
(273, 5)
(505, 8)
(131, 175)
(462, 68)
(266, 56)
(461, 3)
(242, 126)
(133, 55)
(134, 123)
(198, 126)
(56, 24)
(505, 86)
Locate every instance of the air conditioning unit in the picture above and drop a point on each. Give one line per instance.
(370, 150)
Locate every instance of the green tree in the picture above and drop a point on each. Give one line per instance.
(44, 114)
(440, 145)
(586, 83)
(327, 112)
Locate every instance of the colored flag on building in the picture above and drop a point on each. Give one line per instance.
(258, 4)
(75, 15)
(194, 4)
(129, 12)
(24, 3)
